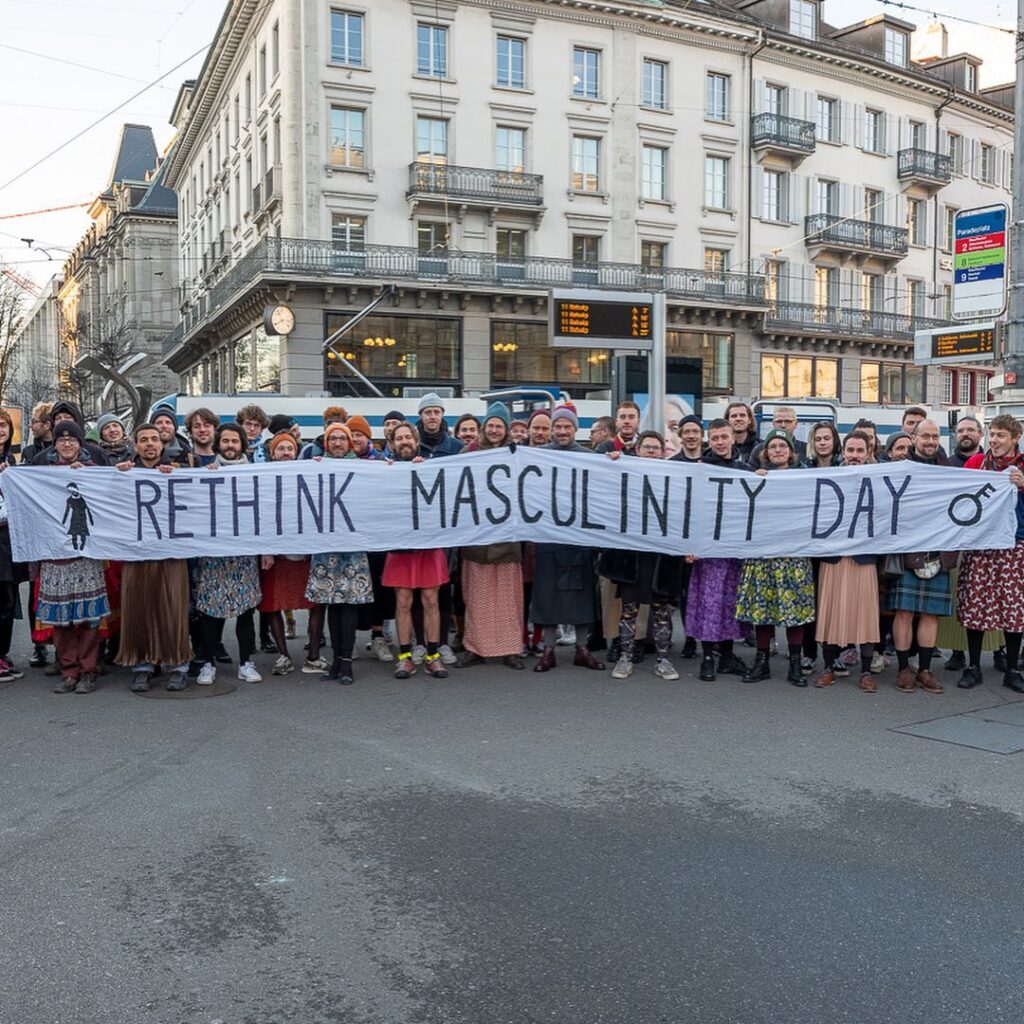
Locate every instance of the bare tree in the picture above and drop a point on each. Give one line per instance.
(11, 314)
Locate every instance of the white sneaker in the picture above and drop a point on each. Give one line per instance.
(315, 665)
(448, 656)
(248, 674)
(664, 669)
(282, 666)
(381, 649)
(623, 669)
(878, 663)
(207, 674)
(419, 652)
(566, 636)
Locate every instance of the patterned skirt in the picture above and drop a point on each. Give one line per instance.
(991, 590)
(952, 636)
(284, 584)
(227, 587)
(340, 577)
(72, 593)
(416, 570)
(847, 603)
(711, 600)
(494, 608)
(776, 592)
(910, 593)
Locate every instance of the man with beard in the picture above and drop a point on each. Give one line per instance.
(42, 436)
(409, 571)
(926, 448)
(435, 441)
(177, 446)
(968, 441)
(691, 440)
(202, 426)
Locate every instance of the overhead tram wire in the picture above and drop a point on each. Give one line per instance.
(948, 17)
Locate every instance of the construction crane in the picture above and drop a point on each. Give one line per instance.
(23, 282)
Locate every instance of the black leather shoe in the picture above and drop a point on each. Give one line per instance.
(38, 659)
(1014, 681)
(759, 670)
(956, 662)
(969, 678)
(707, 669)
(795, 675)
(999, 660)
(733, 666)
(689, 648)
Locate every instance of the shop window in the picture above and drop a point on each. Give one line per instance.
(520, 354)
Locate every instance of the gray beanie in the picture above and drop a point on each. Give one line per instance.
(106, 419)
(431, 401)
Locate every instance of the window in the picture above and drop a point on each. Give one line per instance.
(915, 298)
(785, 376)
(510, 149)
(347, 231)
(716, 261)
(773, 196)
(431, 140)
(802, 18)
(416, 349)
(715, 352)
(891, 384)
(874, 205)
(826, 288)
(238, 116)
(348, 137)
(275, 49)
(432, 51)
(874, 131)
(510, 243)
(947, 387)
(955, 151)
(654, 163)
(586, 156)
(248, 98)
(947, 301)
(520, 354)
(776, 100)
(971, 80)
(963, 388)
(262, 68)
(652, 255)
(949, 232)
(347, 37)
(586, 250)
(775, 285)
(872, 292)
(716, 182)
(986, 164)
(896, 47)
(716, 97)
(917, 221)
(257, 359)
(585, 72)
(918, 135)
(828, 197)
(268, 361)
(655, 82)
(511, 62)
(431, 236)
(827, 124)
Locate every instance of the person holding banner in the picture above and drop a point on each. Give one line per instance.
(711, 598)
(776, 591)
(991, 584)
(12, 573)
(340, 580)
(848, 594)
(149, 640)
(409, 571)
(691, 440)
(72, 592)
(226, 587)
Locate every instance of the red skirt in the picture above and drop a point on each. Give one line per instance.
(415, 570)
(991, 589)
(284, 585)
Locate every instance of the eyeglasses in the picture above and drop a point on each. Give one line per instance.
(67, 440)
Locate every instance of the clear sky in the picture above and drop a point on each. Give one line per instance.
(126, 44)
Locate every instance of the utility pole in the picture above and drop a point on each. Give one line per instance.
(1013, 344)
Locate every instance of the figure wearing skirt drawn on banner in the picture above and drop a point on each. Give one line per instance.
(77, 508)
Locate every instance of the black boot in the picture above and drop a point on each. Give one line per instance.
(333, 674)
(759, 670)
(38, 659)
(970, 678)
(707, 669)
(731, 665)
(689, 648)
(999, 660)
(956, 662)
(795, 674)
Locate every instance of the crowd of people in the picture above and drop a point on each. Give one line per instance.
(434, 609)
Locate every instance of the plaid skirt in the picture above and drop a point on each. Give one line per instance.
(910, 593)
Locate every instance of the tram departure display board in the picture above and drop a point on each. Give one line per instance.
(974, 343)
(595, 319)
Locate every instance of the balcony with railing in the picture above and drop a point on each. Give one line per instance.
(921, 167)
(779, 135)
(843, 236)
(475, 186)
(804, 318)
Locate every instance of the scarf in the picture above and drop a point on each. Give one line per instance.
(997, 463)
(118, 451)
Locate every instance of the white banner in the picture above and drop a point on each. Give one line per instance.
(490, 497)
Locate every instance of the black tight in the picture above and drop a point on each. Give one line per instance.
(8, 606)
(211, 629)
(342, 620)
(794, 638)
(974, 641)
(831, 652)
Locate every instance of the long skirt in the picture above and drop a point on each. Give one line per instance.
(953, 637)
(711, 601)
(991, 590)
(284, 584)
(494, 608)
(776, 592)
(847, 603)
(154, 613)
(910, 593)
(71, 593)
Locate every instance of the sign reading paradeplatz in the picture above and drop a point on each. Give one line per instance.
(972, 343)
(979, 267)
(581, 318)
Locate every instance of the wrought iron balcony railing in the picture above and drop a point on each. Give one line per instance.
(479, 184)
(783, 132)
(864, 323)
(923, 164)
(827, 229)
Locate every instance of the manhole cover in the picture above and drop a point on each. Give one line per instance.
(219, 688)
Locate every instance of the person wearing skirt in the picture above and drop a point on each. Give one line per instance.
(409, 571)
(227, 588)
(341, 581)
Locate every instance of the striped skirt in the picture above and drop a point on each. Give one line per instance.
(494, 608)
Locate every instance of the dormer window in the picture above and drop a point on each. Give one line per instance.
(896, 47)
(971, 81)
(803, 15)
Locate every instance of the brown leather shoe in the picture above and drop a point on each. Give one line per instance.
(928, 682)
(546, 661)
(827, 678)
(586, 660)
(906, 681)
(867, 683)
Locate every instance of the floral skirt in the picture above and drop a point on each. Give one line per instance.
(227, 587)
(776, 592)
(72, 593)
(340, 577)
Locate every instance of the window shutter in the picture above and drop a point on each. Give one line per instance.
(846, 123)
(760, 104)
(793, 204)
(758, 189)
(812, 195)
(858, 125)
(892, 137)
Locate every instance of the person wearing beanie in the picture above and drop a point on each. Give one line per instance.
(520, 431)
(362, 438)
(177, 446)
(113, 440)
(492, 576)
(71, 412)
(566, 412)
(315, 449)
(564, 585)
(898, 446)
(691, 439)
(435, 441)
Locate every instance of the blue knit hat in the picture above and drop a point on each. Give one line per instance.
(498, 410)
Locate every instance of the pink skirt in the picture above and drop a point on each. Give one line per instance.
(494, 608)
(847, 603)
(415, 570)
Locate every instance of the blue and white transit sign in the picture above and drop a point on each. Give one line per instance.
(979, 266)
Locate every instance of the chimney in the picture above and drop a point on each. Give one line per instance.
(931, 43)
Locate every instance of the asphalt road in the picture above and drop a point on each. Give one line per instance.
(505, 848)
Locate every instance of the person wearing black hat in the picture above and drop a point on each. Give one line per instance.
(691, 440)
(70, 411)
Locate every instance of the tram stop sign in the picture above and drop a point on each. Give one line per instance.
(580, 318)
